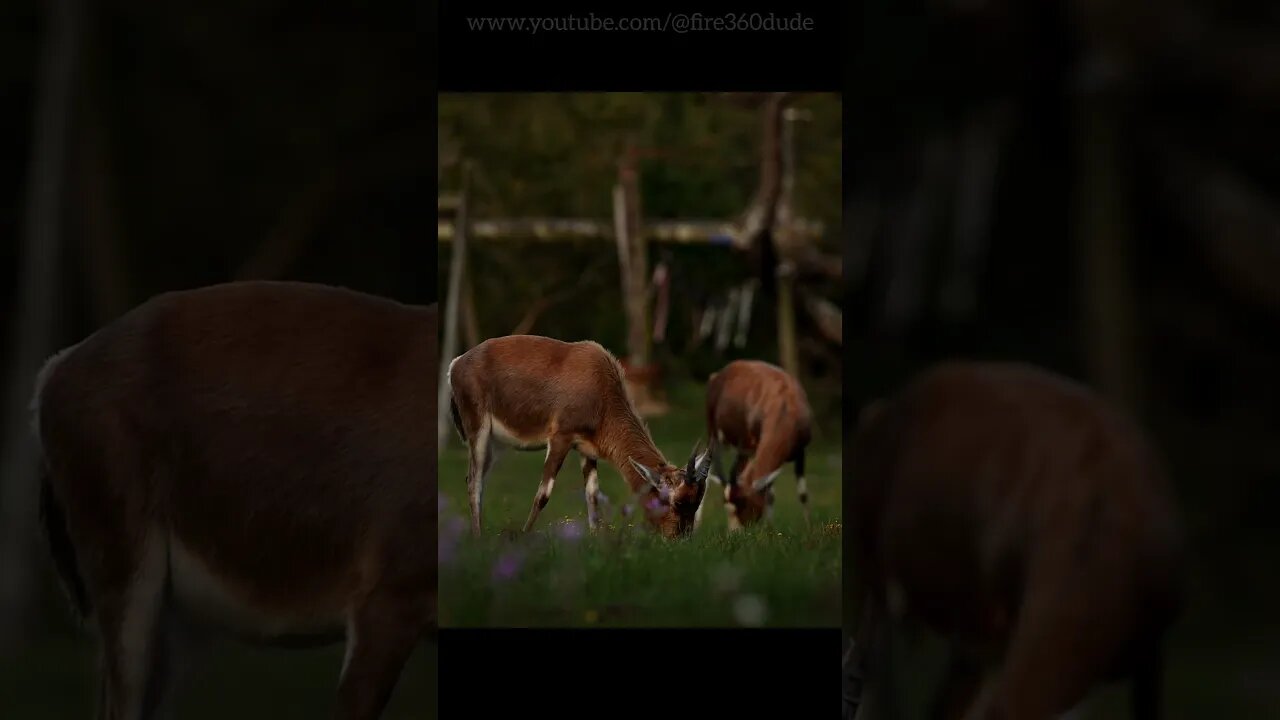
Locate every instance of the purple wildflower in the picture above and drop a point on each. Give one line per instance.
(507, 567)
(571, 530)
(446, 551)
(655, 507)
(455, 527)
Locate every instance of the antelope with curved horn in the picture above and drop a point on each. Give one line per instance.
(762, 411)
(531, 393)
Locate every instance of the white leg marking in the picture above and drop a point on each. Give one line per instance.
(482, 459)
(549, 481)
(140, 624)
(801, 488)
(731, 511)
(351, 644)
(592, 494)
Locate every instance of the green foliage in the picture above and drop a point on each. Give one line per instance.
(557, 153)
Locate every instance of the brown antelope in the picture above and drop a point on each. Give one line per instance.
(256, 457)
(531, 392)
(762, 411)
(1030, 523)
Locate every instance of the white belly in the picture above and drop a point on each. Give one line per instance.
(504, 435)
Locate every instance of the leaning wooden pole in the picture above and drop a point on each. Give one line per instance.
(449, 346)
(637, 265)
(788, 348)
(1103, 237)
(633, 267)
(788, 352)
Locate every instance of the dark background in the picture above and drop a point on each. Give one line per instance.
(152, 146)
(1113, 169)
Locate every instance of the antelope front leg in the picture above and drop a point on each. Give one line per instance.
(594, 496)
(557, 449)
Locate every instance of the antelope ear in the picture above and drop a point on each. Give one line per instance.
(763, 484)
(649, 475)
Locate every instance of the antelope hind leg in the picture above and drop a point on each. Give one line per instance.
(382, 634)
(131, 632)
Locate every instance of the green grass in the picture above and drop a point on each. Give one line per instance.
(785, 574)
(55, 677)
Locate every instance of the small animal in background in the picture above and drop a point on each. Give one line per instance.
(762, 411)
(1030, 524)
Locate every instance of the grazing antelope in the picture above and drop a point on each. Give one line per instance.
(763, 412)
(256, 457)
(531, 392)
(1030, 523)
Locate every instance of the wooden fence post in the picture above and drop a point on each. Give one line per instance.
(457, 269)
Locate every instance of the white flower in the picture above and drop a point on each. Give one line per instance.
(749, 610)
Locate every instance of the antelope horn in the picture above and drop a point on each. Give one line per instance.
(763, 484)
(699, 465)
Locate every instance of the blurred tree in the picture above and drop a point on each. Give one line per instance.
(34, 332)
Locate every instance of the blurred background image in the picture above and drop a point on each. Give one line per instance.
(728, 206)
(1094, 188)
(151, 147)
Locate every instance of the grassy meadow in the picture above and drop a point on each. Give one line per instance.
(785, 574)
(55, 678)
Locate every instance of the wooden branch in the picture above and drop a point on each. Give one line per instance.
(546, 302)
(449, 342)
(470, 323)
(1236, 224)
(827, 317)
(294, 226)
(761, 215)
(541, 305)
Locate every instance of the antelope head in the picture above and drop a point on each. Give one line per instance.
(746, 501)
(671, 495)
